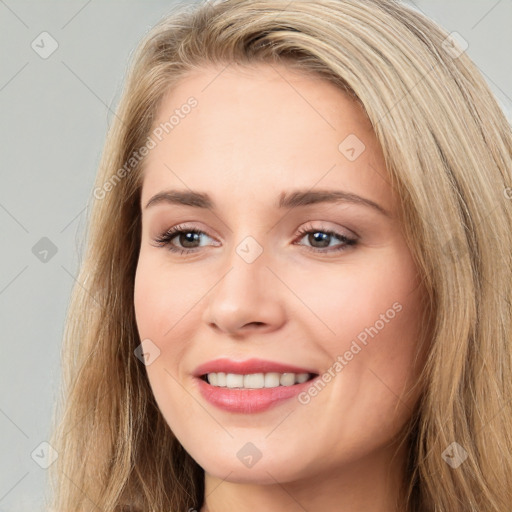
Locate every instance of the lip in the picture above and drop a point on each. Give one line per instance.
(247, 367)
(249, 401)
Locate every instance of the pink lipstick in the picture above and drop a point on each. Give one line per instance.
(250, 386)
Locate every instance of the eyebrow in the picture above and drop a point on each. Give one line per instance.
(290, 199)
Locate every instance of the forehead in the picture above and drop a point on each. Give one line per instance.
(264, 94)
(263, 126)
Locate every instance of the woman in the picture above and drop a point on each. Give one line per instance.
(221, 352)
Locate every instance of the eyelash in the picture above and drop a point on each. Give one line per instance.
(165, 239)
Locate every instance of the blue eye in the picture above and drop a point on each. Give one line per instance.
(187, 237)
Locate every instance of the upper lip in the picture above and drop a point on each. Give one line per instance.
(247, 366)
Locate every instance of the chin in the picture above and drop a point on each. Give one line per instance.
(263, 472)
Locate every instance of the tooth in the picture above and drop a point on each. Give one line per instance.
(272, 380)
(254, 380)
(287, 379)
(234, 380)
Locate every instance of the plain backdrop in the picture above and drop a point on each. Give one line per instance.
(55, 111)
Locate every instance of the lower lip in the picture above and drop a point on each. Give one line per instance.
(249, 400)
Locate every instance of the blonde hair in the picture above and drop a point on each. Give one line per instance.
(448, 150)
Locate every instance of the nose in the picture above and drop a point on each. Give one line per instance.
(247, 297)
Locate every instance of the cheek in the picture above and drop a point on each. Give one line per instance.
(158, 309)
(357, 301)
(370, 316)
(161, 298)
(370, 368)
(167, 309)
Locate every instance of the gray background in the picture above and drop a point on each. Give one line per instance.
(54, 116)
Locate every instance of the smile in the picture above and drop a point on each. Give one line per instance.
(255, 380)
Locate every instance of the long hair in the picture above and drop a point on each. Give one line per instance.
(448, 151)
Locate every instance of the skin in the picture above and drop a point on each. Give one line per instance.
(256, 132)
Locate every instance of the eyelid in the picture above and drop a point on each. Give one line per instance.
(304, 229)
(178, 228)
(346, 241)
(339, 231)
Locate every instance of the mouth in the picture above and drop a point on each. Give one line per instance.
(256, 380)
(251, 386)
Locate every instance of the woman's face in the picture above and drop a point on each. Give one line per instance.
(265, 295)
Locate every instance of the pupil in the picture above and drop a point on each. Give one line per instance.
(189, 238)
(321, 237)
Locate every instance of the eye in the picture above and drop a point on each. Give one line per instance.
(188, 237)
(323, 237)
(179, 232)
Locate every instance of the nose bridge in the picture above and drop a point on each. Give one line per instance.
(244, 293)
(246, 272)
(250, 239)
